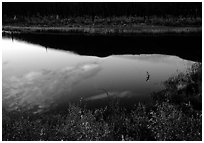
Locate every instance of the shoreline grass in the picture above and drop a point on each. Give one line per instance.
(103, 25)
(137, 30)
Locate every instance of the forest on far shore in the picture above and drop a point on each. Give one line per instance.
(104, 9)
(102, 13)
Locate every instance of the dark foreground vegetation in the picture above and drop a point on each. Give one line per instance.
(175, 114)
(102, 18)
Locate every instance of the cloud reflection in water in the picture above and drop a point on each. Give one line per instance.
(45, 88)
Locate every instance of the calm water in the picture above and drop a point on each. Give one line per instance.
(44, 78)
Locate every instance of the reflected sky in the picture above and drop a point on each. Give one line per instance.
(34, 76)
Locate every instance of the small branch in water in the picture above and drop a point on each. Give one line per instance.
(148, 76)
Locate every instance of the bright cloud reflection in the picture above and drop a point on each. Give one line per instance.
(44, 88)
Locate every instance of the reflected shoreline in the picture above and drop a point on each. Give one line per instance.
(181, 45)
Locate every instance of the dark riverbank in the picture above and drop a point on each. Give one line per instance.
(107, 30)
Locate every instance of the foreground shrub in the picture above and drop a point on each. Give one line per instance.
(169, 124)
(82, 125)
(163, 121)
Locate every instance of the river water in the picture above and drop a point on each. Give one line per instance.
(41, 78)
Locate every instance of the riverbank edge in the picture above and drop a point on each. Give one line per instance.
(92, 30)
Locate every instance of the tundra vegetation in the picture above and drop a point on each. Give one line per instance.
(102, 18)
(174, 114)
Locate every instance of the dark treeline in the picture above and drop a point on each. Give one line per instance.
(104, 9)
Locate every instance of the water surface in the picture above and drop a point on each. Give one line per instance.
(44, 78)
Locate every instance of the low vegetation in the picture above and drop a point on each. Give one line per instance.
(103, 25)
(175, 114)
(98, 21)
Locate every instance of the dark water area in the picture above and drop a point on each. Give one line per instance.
(46, 72)
(187, 46)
